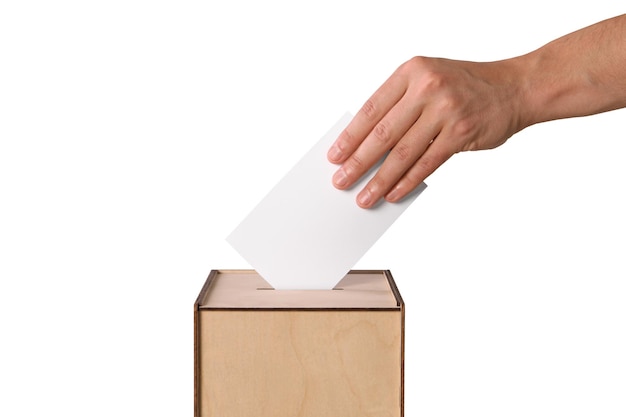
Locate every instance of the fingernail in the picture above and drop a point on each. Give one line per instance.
(340, 179)
(334, 154)
(365, 198)
(393, 195)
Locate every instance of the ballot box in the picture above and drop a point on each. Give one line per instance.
(261, 352)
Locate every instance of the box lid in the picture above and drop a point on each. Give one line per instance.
(246, 289)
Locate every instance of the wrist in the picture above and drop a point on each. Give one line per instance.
(528, 105)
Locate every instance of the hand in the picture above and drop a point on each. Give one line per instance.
(427, 111)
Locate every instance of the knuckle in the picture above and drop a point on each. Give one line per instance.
(401, 152)
(429, 75)
(369, 109)
(346, 138)
(382, 133)
(450, 103)
(426, 74)
(463, 128)
(433, 81)
(426, 164)
(354, 165)
(414, 64)
(430, 161)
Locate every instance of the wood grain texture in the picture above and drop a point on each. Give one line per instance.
(247, 289)
(256, 363)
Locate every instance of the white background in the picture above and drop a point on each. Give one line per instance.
(135, 135)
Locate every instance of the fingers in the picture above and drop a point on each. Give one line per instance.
(433, 157)
(424, 145)
(383, 137)
(367, 118)
(406, 153)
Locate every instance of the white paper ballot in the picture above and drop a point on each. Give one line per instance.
(306, 234)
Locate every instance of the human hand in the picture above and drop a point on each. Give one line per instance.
(428, 110)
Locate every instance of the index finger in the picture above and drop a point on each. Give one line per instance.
(366, 118)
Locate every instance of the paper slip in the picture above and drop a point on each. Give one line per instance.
(306, 234)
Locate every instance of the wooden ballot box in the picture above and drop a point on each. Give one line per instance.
(261, 352)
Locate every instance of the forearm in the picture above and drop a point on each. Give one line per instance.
(579, 74)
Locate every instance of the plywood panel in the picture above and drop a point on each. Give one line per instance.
(256, 363)
(247, 289)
